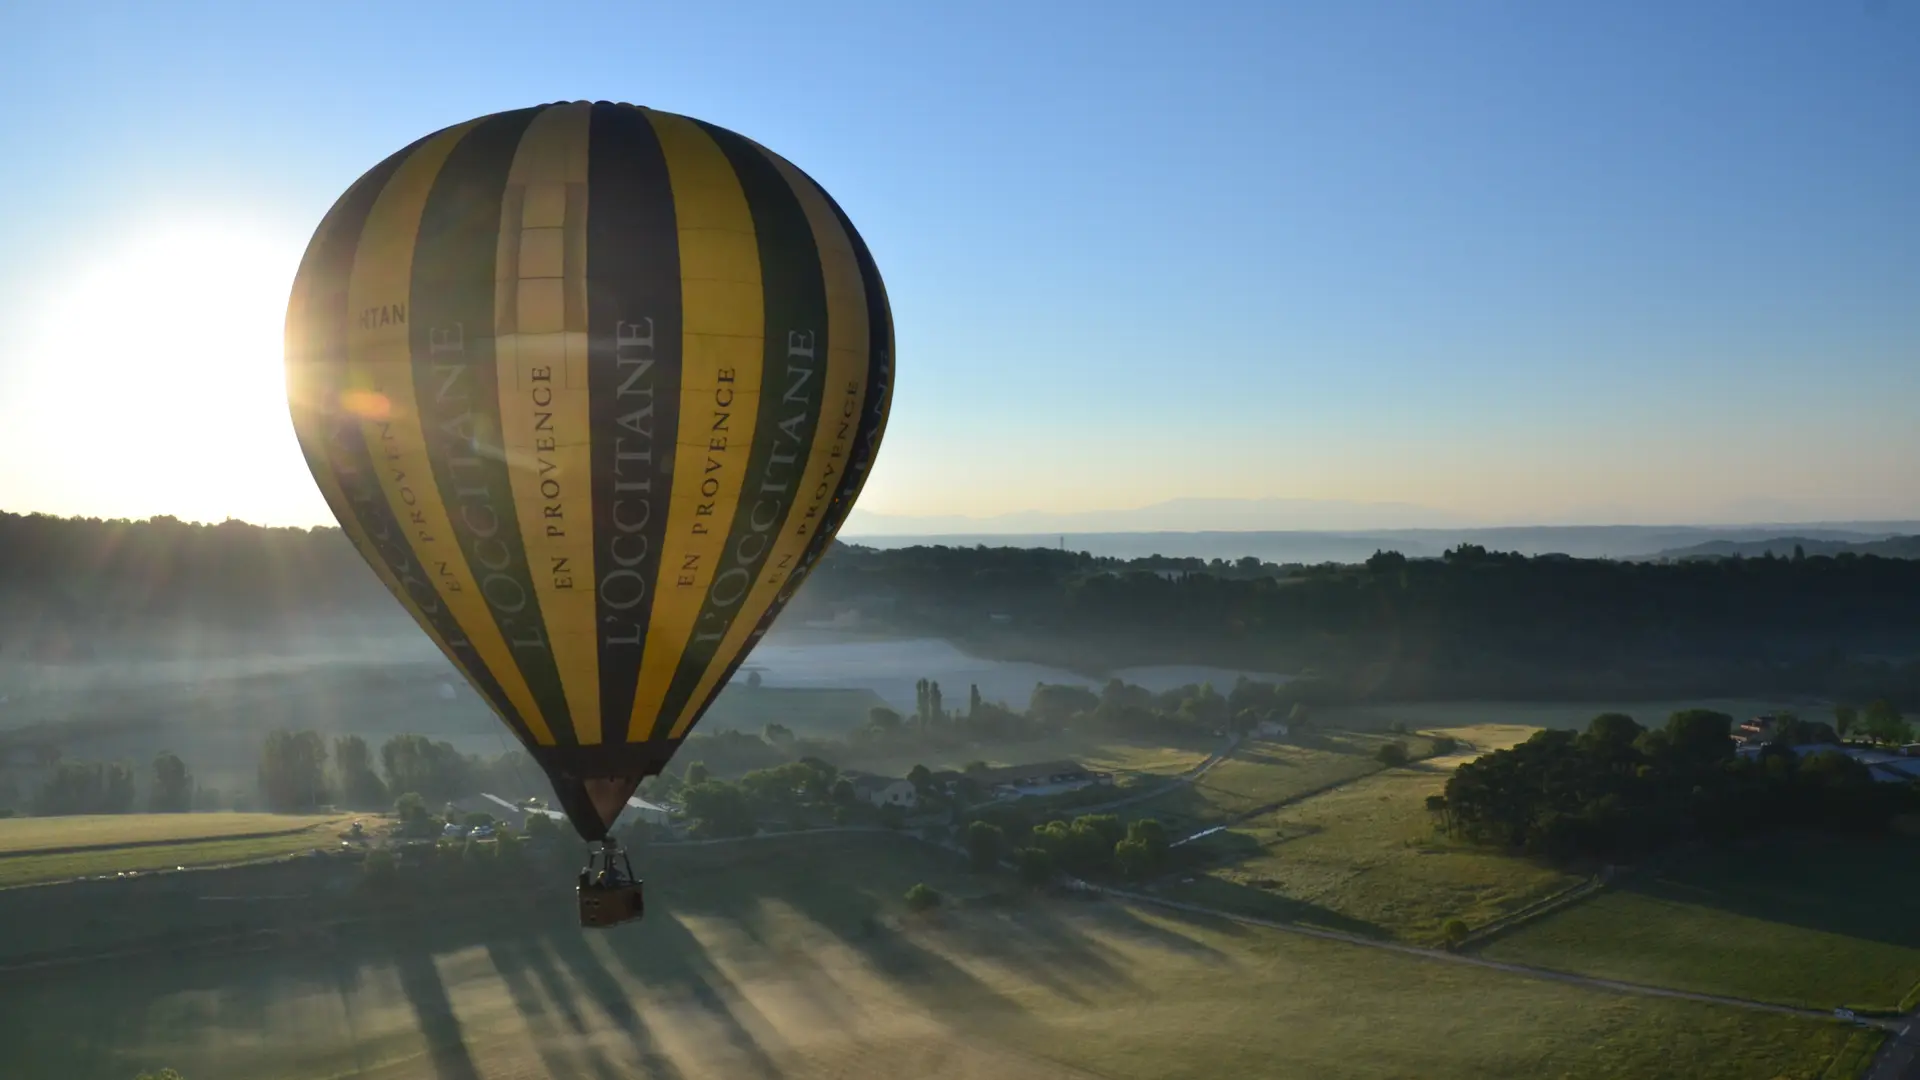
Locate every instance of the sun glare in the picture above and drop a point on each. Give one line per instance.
(155, 384)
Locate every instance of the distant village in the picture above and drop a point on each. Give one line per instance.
(999, 784)
(1898, 765)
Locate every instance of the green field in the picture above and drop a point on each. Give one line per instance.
(1260, 774)
(1364, 857)
(758, 964)
(58, 848)
(1806, 921)
(1119, 756)
(115, 830)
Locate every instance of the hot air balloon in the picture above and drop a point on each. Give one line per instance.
(591, 387)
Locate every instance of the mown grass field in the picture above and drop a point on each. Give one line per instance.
(58, 848)
(1263, 773)
(1364, 857)
(1118, 756)
(1800, 920)
(759, 964)
(116, 830)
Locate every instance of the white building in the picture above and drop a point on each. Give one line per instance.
(883, 790)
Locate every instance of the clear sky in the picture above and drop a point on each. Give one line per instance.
(1520, 262)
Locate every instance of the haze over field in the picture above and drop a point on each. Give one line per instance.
(1395, 549)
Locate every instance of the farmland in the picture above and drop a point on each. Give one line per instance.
(51, 849)
(1365, 857)
(1802, 920)
(764, 966)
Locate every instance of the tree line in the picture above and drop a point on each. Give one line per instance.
(105, 787)
(1196, 711)
(299, 770)
(75, 572)
(1619, 790)
(1473, 623)
(1089, 846)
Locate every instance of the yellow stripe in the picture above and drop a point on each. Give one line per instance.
(722, 350)
(380, 362)
(845, 389)
(311, 416)
(540, 317)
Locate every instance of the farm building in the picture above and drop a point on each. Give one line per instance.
(1039, 778)
(882, 790)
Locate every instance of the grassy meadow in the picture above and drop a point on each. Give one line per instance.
(20, 836)
(1809, 921)
(1122, 757)
(1364, 857)
(796, 958)
(34, 850)
(761, 965)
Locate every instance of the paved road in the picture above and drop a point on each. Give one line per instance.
(1900, 1057)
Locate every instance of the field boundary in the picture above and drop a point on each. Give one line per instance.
(1546, 905)
(1525, 970)
(133, 845)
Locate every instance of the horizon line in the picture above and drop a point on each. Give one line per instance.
(1355, 531)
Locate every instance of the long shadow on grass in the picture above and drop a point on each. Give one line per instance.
(446, 1040)
(1259, 757)
(1837, 886)
(1266, 904)
(344, 972)
(511, 958)
(851, 909)
(666, 955)
(1124, 922)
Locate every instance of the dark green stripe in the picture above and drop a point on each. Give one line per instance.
(879, 391)
(320, 336)
(633, 387)
(793, 374)
(866, 442)
(456, 383)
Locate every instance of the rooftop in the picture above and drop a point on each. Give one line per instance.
(1038, 771)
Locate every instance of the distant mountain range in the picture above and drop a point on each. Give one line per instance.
(1354, 545)
(1893, 547)
(1174, 515)
(1349, 517)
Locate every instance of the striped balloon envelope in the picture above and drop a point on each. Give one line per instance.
(591, 387)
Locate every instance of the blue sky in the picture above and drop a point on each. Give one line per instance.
(1517, 262)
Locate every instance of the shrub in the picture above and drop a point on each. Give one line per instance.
(506, 848)
(1134, 858)
(984, 842)
(1036, 865)
(1444, 745)
(1455, 932)
(540, 827)
(922, 897)
(379, 867)
(1392, 754)
(409, 808)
